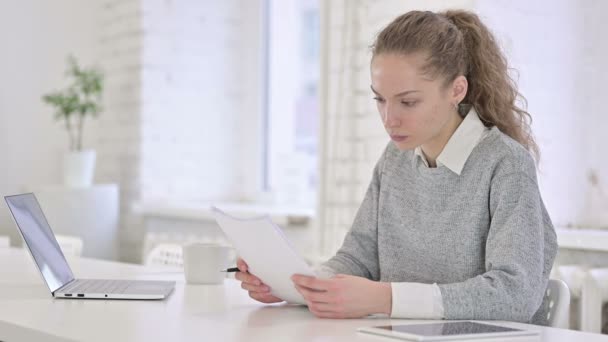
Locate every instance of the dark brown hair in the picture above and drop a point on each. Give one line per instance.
(456, 42)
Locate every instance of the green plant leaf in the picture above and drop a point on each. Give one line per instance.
(82, 96)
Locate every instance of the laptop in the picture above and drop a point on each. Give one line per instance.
(53, 266)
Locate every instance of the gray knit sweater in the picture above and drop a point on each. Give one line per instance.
(484, 237)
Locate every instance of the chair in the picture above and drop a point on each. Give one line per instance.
(573, 276)
(5, 241)
(559, 304)
(165, 254)
(70, 245)
(593, 296)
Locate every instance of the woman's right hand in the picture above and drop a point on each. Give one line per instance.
(257, 290)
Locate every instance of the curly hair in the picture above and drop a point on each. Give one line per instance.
(456, 43)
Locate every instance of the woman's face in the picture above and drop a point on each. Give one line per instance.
(415, 109)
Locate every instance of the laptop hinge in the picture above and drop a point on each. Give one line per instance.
(64, 285)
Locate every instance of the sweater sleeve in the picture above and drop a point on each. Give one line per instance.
(515, 278)
(359, 252)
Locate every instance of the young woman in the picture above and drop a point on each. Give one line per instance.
(453, 225)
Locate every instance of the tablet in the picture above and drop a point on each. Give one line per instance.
(448, 331)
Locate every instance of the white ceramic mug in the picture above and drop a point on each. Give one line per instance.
(204, 263)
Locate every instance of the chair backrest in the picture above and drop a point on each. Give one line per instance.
(5, 241)
(573, 275)
(559, 304)
(165, 254)
(70, 245)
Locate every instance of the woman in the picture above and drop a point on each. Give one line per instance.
(453, 225)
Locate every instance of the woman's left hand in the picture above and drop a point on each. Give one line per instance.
(344, 296)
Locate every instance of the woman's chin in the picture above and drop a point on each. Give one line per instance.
(404, 145)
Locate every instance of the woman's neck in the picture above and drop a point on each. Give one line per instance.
(433, 148)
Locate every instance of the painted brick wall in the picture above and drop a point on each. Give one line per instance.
(118, 138)
(181, 103)
(198, 77)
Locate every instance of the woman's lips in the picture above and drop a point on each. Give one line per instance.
(399, 138)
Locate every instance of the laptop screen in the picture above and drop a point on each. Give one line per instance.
(40, 240)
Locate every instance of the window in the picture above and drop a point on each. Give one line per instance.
(290, 110)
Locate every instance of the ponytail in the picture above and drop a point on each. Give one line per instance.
(458, 43)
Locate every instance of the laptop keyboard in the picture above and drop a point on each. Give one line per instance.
(98, 286)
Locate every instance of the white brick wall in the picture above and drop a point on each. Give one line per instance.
(181, 99)
(162, 135)
(196, 93)
(118, 139)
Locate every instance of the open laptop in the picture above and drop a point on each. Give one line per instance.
(47, 255)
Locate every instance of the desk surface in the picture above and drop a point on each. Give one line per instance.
(191, 313)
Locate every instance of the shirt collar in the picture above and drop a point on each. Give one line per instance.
(460, 145)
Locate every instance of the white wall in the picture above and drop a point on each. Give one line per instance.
(200, 99)
(183, 104)
(118, 140)
(151, 58)
(180, 105)
(36, 37)
(560, 56)
(593, 113)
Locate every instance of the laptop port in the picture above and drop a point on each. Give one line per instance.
(80, 295)
(68, 295)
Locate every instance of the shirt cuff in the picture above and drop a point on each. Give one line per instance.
(416, 300)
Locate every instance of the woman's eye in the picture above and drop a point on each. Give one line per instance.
(409, 103)
(378, 99)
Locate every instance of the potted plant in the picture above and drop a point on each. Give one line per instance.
(81, 99)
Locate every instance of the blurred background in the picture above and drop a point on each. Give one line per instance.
(263, 106)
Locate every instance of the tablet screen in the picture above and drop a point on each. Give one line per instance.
(447, 329)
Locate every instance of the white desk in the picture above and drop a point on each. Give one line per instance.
(191, 313)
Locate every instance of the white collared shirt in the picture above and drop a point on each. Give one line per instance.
(460, 145)
(417, 300)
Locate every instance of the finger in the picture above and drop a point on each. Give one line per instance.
(248, 278)
(315, 296)
(242, 265)
(326, 314)
(324, 307)
(254, 288)
(264, 297)
(312, 282)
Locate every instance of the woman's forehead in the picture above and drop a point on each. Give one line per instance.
(398, 72)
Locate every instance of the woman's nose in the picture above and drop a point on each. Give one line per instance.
(389, 118)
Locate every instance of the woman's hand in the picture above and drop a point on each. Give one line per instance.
(257, 290)
(344, 296)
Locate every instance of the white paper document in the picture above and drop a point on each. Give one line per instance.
(264, 247)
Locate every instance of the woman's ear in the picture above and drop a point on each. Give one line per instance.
(459, 89)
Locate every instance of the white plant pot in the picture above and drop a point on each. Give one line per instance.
(79, 168)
